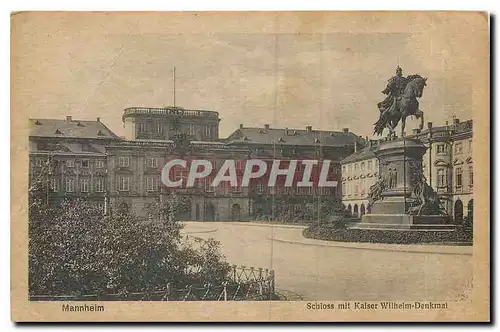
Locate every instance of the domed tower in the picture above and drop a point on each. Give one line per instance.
(163, 123)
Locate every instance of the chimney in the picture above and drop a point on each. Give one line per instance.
(429, 125)
(345, 130)
(446, 123)
(98, 119)
(241, 125)
(370, 143)
(286, 131)
(266, 127)
(68, 118)
(309, 128)
(355, 146)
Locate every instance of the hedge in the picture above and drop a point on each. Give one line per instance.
(331, 233)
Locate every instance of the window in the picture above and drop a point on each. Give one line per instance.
(180, 174)
(356, 167)
(207, 130)
(152, 184)
(441, 177)
(143, 127)
(471, 176)
(123, 183)
(85, 163)
(356, 189)
(123, 161)
(54, 185)
(191, 129)
(363, 166)
(344, 192)
(84, 185)
(441, 149)
(158, 127)
(99, 185)
(208, 185)
(469, 146)
(343, 169)
(152, 162)
(38, 162)
(70, 185)
(458, 176)
(458, 148)
(99, 164)
(236, 189)
(240, 164)
(260, 187)
(70, 163)
(349, 168)
(370, 165)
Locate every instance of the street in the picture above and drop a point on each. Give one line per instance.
(315, 271)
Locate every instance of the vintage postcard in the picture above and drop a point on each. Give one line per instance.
(250, 166)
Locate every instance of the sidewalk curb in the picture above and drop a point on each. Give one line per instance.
(265, 225)
(343, 246)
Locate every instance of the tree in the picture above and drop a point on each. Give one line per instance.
(74, 250)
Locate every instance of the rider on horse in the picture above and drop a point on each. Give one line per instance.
(395, 88)
(401, 101)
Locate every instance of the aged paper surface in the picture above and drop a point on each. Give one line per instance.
(392, 226)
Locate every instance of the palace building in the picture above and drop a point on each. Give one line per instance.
(76, 158)
(68, 158)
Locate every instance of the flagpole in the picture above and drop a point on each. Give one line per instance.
(173, 78)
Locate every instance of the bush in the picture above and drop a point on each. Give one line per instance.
(331, 233)
(74, 250)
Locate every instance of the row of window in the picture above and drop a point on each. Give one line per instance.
(99, 163)
(124, 161)
(70, 185)
(123, 183)
(145, 127)
(442, 177)
(357, 188)
(157, 127)
(370, 165)
(442, 149)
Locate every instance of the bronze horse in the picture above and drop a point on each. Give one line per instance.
(403, 106)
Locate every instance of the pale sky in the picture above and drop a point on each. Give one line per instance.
(329, 78)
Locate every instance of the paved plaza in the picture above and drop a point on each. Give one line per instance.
(322, 270)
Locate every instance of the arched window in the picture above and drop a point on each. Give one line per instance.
(236, 212)
(458, 212)
(362, 210)
(349, 208)
(470, 207)
(355, 212)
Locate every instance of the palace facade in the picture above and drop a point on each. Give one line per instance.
(75, 158)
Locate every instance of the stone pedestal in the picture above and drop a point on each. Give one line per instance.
(400, 160)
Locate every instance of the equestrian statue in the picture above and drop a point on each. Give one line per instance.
(401, 102)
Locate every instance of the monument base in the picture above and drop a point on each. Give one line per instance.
(405, 222)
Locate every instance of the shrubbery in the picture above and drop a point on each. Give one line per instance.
(74, 250)
(332, 233)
